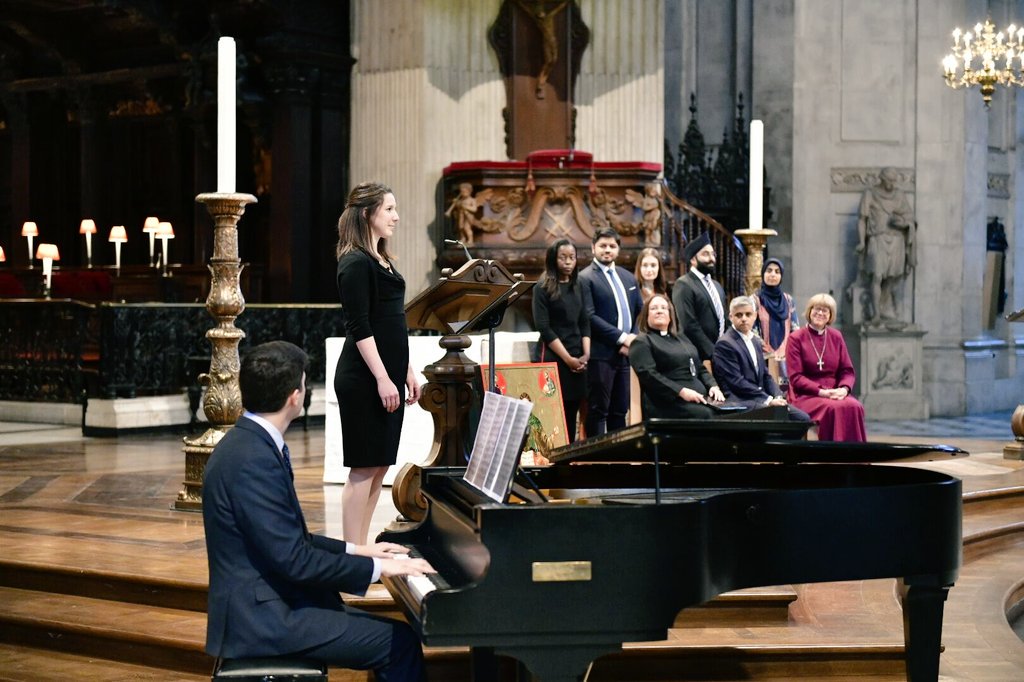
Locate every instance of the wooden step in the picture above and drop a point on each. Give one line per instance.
(752, 607)
(153, 636)
(104, 584)
(30, 664)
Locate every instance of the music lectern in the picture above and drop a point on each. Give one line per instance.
(472, 298)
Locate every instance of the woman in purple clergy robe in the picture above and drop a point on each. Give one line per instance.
(821, 375)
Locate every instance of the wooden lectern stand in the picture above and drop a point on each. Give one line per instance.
(470, 299)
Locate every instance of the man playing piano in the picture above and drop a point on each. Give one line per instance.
(273, 585)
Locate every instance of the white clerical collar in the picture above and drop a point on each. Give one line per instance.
(268, 427)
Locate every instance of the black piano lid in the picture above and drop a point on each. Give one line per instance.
(680, 441)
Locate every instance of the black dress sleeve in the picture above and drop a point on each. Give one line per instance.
(541, 314)
(356, 287)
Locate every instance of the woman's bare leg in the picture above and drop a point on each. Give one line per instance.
(358, 500)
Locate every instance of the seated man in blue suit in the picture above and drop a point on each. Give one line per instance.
(273, 585)
(739, 365)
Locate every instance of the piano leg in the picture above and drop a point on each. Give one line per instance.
(922, 630)
(483, 664)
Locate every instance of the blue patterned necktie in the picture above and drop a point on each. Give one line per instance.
(716, 302)
(621, 304)
(287, 460)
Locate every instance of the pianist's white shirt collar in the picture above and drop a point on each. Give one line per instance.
(278, 438)
(268, 427)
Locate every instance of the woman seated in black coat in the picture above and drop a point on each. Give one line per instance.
(674, 382)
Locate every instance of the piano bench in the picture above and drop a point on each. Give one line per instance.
(269, 670)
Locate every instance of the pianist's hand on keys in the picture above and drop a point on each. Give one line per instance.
(394, 559)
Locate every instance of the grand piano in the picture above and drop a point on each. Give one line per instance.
(635, 525)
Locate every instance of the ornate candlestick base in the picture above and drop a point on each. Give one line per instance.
(754, 242)
(222, 404)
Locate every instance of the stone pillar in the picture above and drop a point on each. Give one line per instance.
(288, 264)
(20, 173)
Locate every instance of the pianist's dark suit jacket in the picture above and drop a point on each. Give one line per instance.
(273, 586)
(740, 379)
(696, 312)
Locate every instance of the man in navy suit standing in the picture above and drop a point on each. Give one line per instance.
(740, 368)
(614, 304)
(273, 585)
(700, 300)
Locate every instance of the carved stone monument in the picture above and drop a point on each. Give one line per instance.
(886, 236)
(890, 359)
(889, 378)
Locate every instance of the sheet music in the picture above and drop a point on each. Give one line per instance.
(498, 444)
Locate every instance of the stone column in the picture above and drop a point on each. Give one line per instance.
(290, 212)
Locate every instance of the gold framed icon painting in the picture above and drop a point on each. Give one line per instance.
(538, 383)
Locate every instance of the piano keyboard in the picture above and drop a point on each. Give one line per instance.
(422, 585)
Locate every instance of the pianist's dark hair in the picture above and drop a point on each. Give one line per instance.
(673, 323)
(549, 281)
(354, 223)
(269, 373)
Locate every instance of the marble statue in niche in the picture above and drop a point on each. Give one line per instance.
(886, 233)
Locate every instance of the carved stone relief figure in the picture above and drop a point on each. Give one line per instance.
(653, 206)
(886, 233)
(894, 371)
(463, 210)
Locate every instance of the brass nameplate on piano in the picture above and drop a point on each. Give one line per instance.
(561, 571)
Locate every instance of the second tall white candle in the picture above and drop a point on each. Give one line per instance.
(756, 175)
(225, 115)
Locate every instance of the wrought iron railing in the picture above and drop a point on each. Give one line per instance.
(64, 350)
(44, 345)
(685, 222)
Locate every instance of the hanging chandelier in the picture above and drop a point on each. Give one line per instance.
(976, 59)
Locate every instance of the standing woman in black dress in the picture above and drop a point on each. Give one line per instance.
(560, 315)
(373, 374)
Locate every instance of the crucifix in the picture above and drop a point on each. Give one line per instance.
(539, 44)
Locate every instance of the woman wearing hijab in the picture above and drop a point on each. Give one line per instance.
(776, 314)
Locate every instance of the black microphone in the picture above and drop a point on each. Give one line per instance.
(457, 242)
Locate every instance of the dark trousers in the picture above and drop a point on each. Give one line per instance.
(608, 394)
(388, 647)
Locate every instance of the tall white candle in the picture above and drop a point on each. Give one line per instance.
(225, 115)
(756, 175)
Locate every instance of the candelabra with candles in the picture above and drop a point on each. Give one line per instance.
(118, 236)
(47, 253)
(987, 48)
(29, 231)
(150, 227)
(88, 228)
